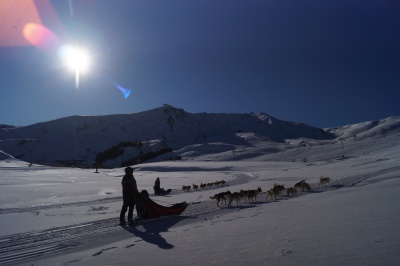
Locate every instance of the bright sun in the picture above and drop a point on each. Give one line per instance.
(76, 59)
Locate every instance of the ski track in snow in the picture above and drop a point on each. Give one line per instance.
(24, 246)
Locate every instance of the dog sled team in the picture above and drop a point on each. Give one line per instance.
(244, 195)
(204, 186)
(277, 190)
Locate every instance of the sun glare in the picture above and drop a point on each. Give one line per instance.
(77, 59)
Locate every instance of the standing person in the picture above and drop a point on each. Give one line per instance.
(129, 194)
(157, 186)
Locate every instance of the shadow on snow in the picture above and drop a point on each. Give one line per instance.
(152, 230)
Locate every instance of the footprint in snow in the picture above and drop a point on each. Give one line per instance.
(284, 252)
(101, 251)
(72, 261)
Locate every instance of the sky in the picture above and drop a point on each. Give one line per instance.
(323, 63)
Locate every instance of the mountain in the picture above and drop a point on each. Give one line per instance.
(172, 133)
(6, 126)
(5, 156)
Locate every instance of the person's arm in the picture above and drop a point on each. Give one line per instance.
(134, 186)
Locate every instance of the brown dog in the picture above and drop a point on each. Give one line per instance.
(221, 197)
(324, 180)
(291, 191)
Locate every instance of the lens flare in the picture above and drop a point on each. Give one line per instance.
(40, 36)
(125, 92)
(14, 15)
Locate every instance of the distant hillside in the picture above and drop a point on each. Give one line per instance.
(158, 134)
(5, 156)
(6, 126)
(370, 129)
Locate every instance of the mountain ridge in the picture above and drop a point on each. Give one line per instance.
(129, 138)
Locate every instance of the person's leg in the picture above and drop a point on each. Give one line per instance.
(123, 211)
(130, 212)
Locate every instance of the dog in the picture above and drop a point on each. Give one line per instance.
(302, 185)
(291, 191)
(324, 180)
(298, 185)
(252, 194)
(235, 196)
(221, 197)
(219, 183)
(186, 188)
(278, 189)
(305, 186)
(272, 194)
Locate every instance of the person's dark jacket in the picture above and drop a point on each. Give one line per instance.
(157, 186)
(129, 188)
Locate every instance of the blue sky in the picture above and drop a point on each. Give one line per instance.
(323, 63)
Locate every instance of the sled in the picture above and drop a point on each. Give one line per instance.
(148, 209)
(164, 192)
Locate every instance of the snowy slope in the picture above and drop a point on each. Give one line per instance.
(5, 156)
(72, 213)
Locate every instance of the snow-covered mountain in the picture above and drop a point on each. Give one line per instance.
(171, 133)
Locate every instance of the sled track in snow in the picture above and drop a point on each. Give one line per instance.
(350, 181)
(35, 244)
(356, 179)
(61, 205)
(243, 179)
(25, 247)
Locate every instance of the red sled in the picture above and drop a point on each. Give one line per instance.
(148, 209)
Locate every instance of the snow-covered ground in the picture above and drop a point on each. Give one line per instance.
(67, 216)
